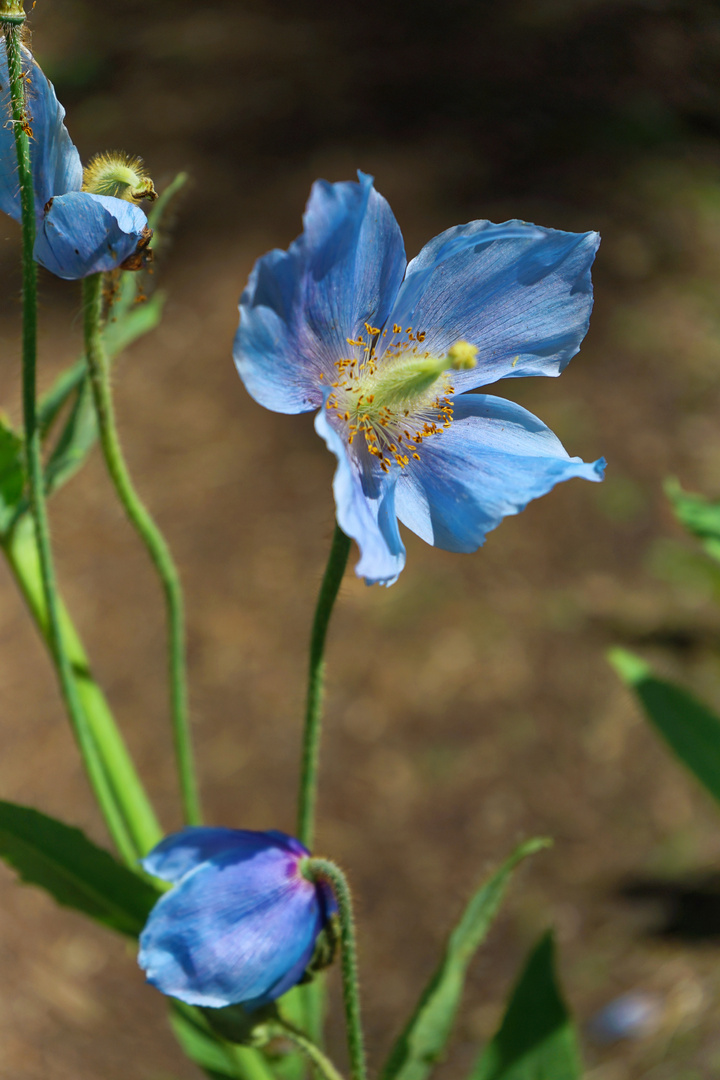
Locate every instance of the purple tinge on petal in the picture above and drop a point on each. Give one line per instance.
(519, 292)
(239, 928)
(82, 234)
(489, 463)
(301, 305)
(365, 506)
(56, 165)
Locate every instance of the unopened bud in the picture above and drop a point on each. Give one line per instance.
(118, 175)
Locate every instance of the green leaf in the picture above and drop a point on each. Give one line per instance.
(691, 729)
(12, 474)
(76, 440)
(699, 515)
(537, 1039)
(77, 873)
(428, 1030)
(212, 1053)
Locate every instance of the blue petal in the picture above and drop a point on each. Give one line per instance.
(492, 460)
(365, 505)
(233, 929)
(301, 305)
(178, 854)
(85, 234)
(56, 165)
(519, 292)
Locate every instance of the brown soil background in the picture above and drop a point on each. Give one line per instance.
(470, 705)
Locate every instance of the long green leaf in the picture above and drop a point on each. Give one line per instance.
(132, 799)
(537, 1039)
(699, 515)
(76, 440)
(428, 1030)
(76, 872)
(12, 475)
(691, 729)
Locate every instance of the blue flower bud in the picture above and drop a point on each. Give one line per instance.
(241, 924)
(83, 234)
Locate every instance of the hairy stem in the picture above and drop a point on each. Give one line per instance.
(314, 1054)
(337, 561)
(323, 869)
(93, 764)
(151, 537)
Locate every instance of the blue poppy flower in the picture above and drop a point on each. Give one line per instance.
(78, 232)
(242, 922)
(386, 352)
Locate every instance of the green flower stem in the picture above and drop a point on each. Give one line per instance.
(128, 791)
(337, 561)
(12, 30)
(150, 536)
(323, 869)
(321, 1061)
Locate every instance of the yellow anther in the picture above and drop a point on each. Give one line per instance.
(118, 175)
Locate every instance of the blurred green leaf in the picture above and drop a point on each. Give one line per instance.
(428, 1030)
(76, 440)
(691, 729)
(212, 1053)
(699, 515)
(12, 474)
(77, 873)
(537, 1039)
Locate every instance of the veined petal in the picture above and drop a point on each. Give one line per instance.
(489, 463)
(232, 929)
(178, 854)
(301, 305)
(365, 505)
(83, 234)
(521, 293)
(56, 165)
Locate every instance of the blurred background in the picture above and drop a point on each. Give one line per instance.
(470, 705)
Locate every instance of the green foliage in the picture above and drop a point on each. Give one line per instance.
(429, 1028)
(218, 1058)
(12, 474)
(699, 515)
(77, 873)
(537, 1039)
(691, 729)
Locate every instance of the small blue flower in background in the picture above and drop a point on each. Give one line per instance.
(386, 351)
(633, 1015)
(78, 232)
(242, 922)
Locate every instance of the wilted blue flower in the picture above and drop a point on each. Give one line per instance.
(386, 352)
(78, 233)
(242, 922)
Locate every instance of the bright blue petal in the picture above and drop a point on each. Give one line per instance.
(520, 292)
(301, 305)
(233, 929)
(365, 505)
(490, 462)
(56, 165)
(85, 234)
(178, 854)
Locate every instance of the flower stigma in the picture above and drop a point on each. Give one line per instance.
(392, 404)
(118, 175)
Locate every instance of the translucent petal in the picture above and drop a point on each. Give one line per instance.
(521, 293)
(83, 234)
(492, 460)
(365, 506)
(56, 165)
(178, 854)
(301, 305)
